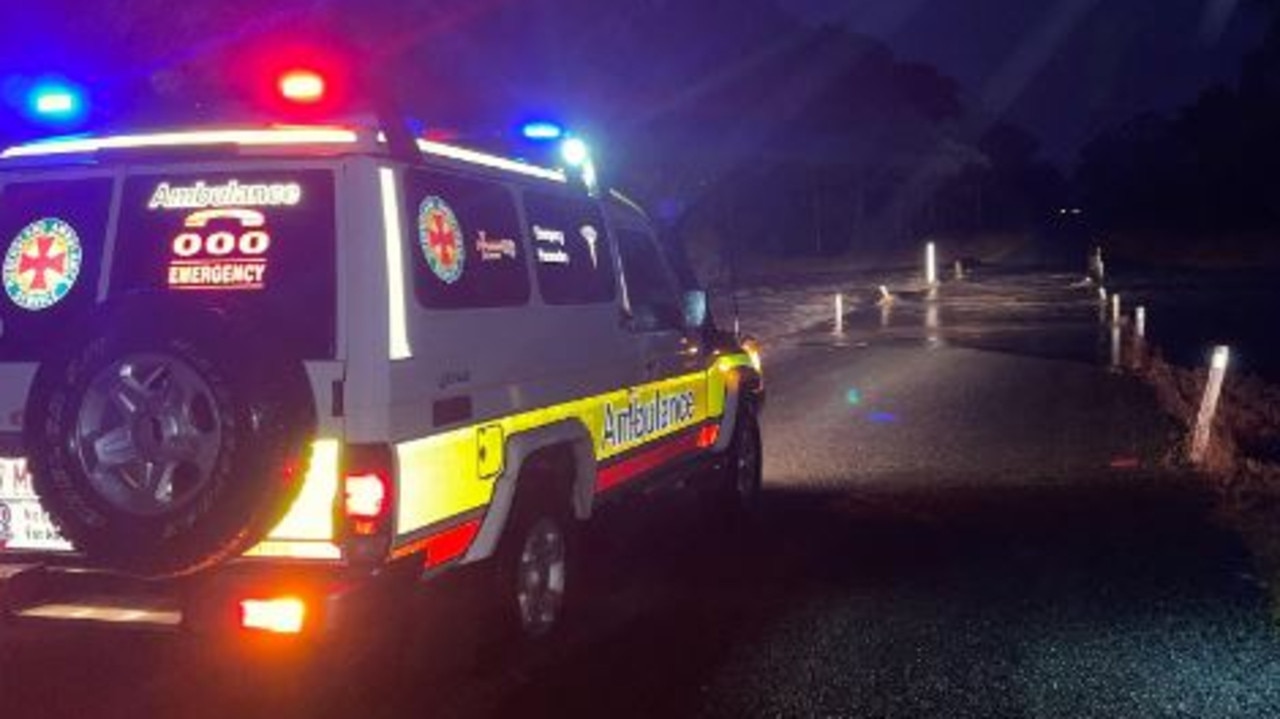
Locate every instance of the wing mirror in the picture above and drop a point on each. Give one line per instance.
(694, 308)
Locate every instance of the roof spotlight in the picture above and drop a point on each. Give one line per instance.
(575, 152)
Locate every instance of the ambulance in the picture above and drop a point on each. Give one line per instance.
(265, 379)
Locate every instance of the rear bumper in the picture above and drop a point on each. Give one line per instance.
(38, 597)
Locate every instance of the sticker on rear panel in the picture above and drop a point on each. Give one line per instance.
(221, 249)
(440, 237)
(24, 525)
(42, 264)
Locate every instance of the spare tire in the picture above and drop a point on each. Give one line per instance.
(164, 441)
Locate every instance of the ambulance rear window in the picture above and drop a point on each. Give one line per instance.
(261, 243)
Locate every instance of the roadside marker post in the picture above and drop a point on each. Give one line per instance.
(839, 323)
(1115, 309)
(931, 264)
(886, 306)
(959, 270)
(1209, 405)
(1138, 345)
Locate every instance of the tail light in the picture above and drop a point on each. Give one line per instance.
(368, 500)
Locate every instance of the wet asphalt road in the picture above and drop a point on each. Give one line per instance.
(970, 525)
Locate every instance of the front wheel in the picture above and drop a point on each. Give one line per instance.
(735, 493)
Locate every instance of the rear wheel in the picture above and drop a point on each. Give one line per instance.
(534, 567)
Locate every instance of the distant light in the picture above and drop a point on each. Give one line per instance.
(541, 131)
(853, 397)
(302, 86)
(575, 152)
(883, 417)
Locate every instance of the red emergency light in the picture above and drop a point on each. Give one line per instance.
(306, 87)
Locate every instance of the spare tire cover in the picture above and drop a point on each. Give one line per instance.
(164, 442)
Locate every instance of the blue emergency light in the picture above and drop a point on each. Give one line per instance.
(56, 102)
(542, 131)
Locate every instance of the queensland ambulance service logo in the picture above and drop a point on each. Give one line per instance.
(42, 264)
(441, 239)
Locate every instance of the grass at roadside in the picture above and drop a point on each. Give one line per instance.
(1243, 459)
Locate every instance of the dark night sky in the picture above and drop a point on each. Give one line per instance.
(1063, 69)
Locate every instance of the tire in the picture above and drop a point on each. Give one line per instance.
(735, 493)
(158, 449)
(535, 558)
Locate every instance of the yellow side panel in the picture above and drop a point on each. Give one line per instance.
(439, 478)
(442, 476)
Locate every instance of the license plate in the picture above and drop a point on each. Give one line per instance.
(24, 525)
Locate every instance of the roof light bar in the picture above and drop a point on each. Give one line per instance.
(453, 152)
(246, 138)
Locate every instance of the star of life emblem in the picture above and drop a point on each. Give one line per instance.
(42, 264)
(440, 237)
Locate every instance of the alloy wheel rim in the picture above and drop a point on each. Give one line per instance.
(541, 577)
(148, 433)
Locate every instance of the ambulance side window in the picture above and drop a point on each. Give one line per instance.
(571, 253)
(651, 292)
(465, 238)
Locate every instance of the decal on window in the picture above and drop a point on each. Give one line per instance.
(591, 235)
(493, 248)
(550, 245)
(231, 194)
(42, 264)
(441, 239)
(220, 249)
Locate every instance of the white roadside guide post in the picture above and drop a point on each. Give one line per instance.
(931, 264)
(839, 324)
(959, 270)
(1209, 405)
(1115, 331)
(1140, 323)
(886, 305)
